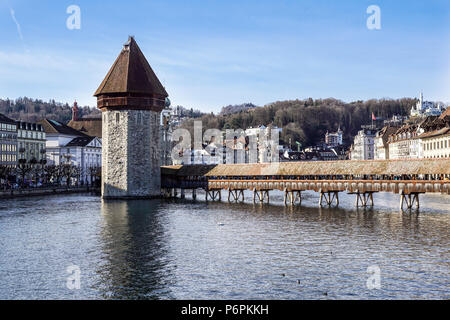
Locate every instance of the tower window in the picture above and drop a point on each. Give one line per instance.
(117, 117)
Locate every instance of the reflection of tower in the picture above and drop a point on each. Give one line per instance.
(134, 249)
(131, 99)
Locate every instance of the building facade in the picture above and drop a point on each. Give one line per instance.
(435, 139)
(8, 141)
(31, 142)
(65, 145)
(85, 153)
(405, 143)
(426, 108)
(334, 139)
(363, 147)
(253, 145)
(381, 142)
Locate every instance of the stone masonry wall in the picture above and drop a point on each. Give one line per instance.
(131, 154)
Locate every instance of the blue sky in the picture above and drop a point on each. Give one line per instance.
(209, 54)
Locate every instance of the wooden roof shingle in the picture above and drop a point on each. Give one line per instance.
(131, 73)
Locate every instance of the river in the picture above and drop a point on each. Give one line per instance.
(184, 249)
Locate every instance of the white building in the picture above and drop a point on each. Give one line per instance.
(426, 108)
(254, 145)
(66, 145)
(436, 138)
(31, 142)
(404, 143)
(363, 146)
(381, 142)
(436, 144)
(335, 138)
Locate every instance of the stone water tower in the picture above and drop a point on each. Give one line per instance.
(131, 99)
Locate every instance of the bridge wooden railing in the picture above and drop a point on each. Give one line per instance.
(361, 186)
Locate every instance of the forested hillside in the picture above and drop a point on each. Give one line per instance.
(305, 121)
(33, 110)
(308, 120)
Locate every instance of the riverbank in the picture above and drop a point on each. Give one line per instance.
(18, 193)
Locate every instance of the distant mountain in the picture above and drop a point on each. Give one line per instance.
(33, 110)
(236, 108)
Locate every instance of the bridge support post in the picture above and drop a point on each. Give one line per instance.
(329, 197)
(236, 194)
(194, 194)
(292, 197)
(261, 194)
(409, 199)
(182, 194)
(213, 195)
(363, 198)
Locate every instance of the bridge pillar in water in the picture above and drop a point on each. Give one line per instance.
(363, 198)
(194, 194)
(236, 195)
(409, 199)
(329, 197)
(262, 195)
(292, 197)
(213, 195)
(131, 99)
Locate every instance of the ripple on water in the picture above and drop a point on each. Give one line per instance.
(196, 250)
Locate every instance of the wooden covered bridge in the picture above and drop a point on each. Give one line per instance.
(408, 178)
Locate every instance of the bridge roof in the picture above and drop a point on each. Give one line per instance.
(351, 167)
(187, 170)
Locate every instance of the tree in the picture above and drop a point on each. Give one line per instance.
(23, 169)
(5, 172)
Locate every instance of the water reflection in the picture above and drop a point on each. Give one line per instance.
(135, 251)
(187, 249)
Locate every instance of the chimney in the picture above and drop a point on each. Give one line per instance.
(75, 111)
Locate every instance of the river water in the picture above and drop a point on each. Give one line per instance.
(181, 249)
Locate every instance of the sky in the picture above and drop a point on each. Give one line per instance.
(211, 53)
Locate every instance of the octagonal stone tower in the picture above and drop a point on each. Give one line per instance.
(131, 99)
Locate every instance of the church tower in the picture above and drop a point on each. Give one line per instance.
(131, 99)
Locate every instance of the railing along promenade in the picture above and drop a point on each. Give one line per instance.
(408, 178)
(45, 190)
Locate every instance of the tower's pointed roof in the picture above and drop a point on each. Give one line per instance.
(131, 73)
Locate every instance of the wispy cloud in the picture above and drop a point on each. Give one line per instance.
(19, 29)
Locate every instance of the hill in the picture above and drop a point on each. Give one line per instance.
(33, 110)
(236, 108)
(308, 120)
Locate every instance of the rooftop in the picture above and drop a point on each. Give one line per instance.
(131, 73)
(305, 168)
(80, 142)
(53, 126)
(91, 127)
(5, 119)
